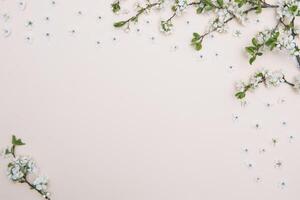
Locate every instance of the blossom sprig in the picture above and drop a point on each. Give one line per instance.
(140, 10)
(267, 78)
(282, 37)
(22, 169)
(225, 11)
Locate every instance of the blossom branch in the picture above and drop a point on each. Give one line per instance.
(282, 37)
(135, 17)
(267, 78)
(19, 167)
(219, 27)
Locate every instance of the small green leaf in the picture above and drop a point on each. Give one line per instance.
(174, 8)
(7, 152)
(196, 35)
(240, 95)
(254, 42)
(199, 10)
(116, 7)
(17, 142)
(119, 24)
(258, 9)
(198, 46)
(209, 3)
(252, 59)
(293, 8)
(251, 50)
(220, 3)
(194, 40)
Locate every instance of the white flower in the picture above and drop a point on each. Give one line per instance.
(257, 78)
(41, 183)
(238, 11)
(240, 87)
(20, 167)
(286, 41)
(274, 78)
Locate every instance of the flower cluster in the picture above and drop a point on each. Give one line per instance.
(287, 41)
(41, 183)
(278, 38)
(288, 10)
(21, 168)
(166, 27)
(265, 77)
(225, 11)
(219, 24)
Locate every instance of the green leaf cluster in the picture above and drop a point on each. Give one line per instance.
(254, 50)
(196, 42)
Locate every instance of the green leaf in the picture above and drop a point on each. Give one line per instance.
(174, 8)
(293, 8)
(240, 95)
(199, 10)
(258, 9)
(116, 7)
(255, 42)
(17, 142)
(209, 7)
(240, 2)
(209, 3)
(198, 46)
(220, 3)
(119, 24)
(252, 59)
(7, 152)
(196, 35)
(194, 40)
(251, 50)
(270, 41)
(276, 34)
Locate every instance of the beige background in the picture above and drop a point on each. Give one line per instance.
(135, 119)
